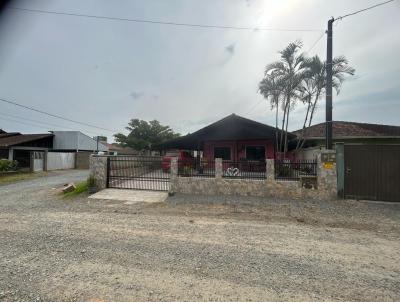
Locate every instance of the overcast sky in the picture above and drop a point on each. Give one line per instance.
(107, 72)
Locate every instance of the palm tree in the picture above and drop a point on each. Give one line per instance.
(272, 88)
(314, 84)
(290, 70)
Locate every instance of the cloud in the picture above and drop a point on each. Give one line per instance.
(136, 95)
(230, 49)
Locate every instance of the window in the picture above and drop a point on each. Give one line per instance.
(222, 152)
(255, 152)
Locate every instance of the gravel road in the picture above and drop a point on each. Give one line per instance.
(55, 249)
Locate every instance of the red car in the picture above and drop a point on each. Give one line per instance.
(185, 159)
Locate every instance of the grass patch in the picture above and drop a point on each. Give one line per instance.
(81, 187)
(8, 179)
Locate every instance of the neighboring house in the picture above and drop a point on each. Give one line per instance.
(76, 141)
(347, 132)
(17, 146)
(231, 138)
(27, 147)
(114, 149)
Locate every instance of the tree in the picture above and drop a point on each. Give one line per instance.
(272, 88)
(314, 84)
(145, 135)
(290, 71)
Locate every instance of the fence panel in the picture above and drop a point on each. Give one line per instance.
(244, 169)
(60, 161)
(196, 168)
(287, 170)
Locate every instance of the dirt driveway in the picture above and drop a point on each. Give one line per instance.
(54, 249)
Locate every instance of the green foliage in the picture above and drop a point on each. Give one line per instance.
(186, 171)
(91, 181)
(145, 135)
(297, 78)
(8, 165)
(80, 188)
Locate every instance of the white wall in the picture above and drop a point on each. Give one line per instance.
(309, 153)
(59, 161)
(75, 140)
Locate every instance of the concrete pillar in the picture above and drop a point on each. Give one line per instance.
(270, 166)
(327, 173)
(218, 168)
(98, 170)
(173, 176)
(45, 160)
(174, 168)
(11, 154)
(340, 169)
(32, 161)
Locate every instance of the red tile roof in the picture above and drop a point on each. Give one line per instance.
(342, 129)
(17, 138)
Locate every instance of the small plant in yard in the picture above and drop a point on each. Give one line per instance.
(91, 184)
(80, 188)
(8, 165)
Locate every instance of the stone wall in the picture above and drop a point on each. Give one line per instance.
(324, 186)
(98, 170)
(324, 189)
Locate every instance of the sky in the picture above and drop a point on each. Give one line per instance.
(105, 72)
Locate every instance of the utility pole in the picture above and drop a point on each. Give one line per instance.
(328, 119)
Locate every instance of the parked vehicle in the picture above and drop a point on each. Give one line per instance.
(184, 158)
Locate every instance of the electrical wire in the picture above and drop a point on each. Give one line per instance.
(163, 22)
(24, 123)
(56, 116)
(363, 10)
(316, 42)
(45, 123)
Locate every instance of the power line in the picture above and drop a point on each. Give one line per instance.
(44, 123)
(316, 42)
(24, 123)
(363, 10)
(255, 106)
(56, 116)
(163, 22)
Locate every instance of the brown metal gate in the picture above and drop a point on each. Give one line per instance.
(138, 173)
(372, 172)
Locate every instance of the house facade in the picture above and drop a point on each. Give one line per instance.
(32, 151)
(233, 138)
(347, 133)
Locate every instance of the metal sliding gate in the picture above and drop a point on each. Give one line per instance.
(138, 173)
(372, 172)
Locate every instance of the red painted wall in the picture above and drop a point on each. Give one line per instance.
(238, 148)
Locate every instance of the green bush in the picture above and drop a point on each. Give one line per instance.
(8, 165)
(91, 181)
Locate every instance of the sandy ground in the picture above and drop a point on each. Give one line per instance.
(189, 249)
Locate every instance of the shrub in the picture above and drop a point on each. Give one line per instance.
(91, 181)
(8, 165)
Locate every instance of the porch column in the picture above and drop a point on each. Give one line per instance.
(218, 168)
(270, 166)
(10, 153)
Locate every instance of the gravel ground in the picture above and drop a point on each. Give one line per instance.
(192, 248)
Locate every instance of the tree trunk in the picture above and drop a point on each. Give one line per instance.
(283, 126)
(286, 127)
(311, 116)
(299, 141)
(276, 125)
